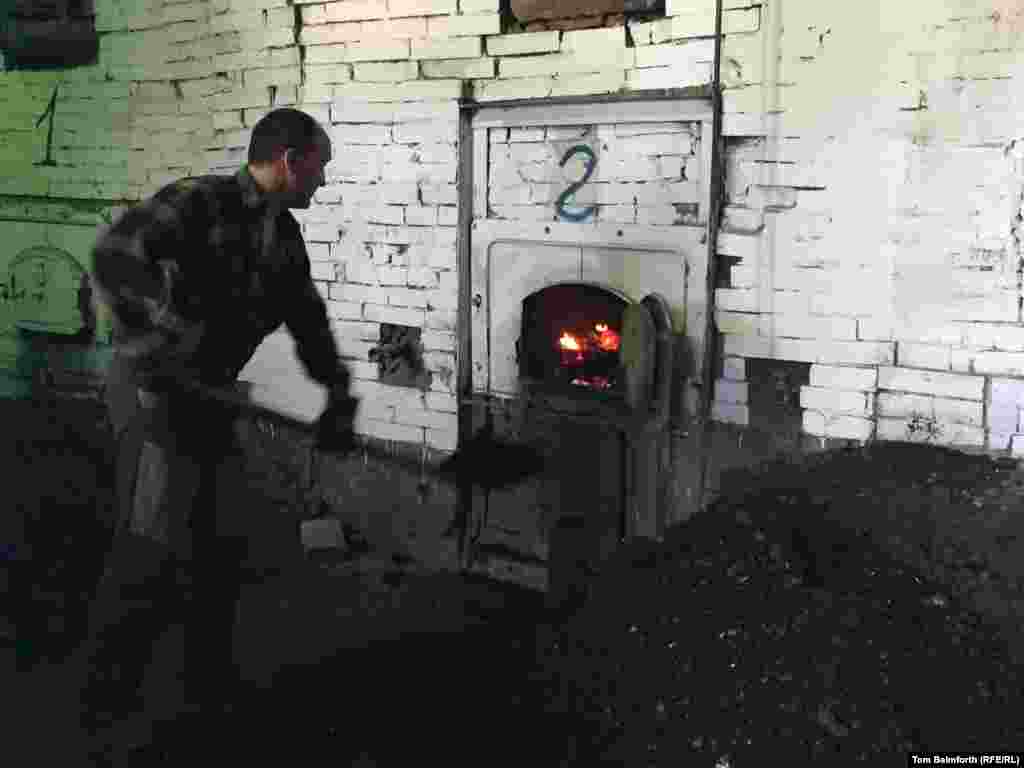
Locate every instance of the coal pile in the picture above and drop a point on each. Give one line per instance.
(762, 629)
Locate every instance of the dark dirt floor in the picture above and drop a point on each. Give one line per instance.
(844, 608)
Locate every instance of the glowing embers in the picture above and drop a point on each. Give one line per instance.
(591, 356)
(571, 337)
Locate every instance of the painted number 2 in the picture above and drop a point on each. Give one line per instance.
(580, 214)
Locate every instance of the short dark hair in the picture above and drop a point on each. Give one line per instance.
(279, 130)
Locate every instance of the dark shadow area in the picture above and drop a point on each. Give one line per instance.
(813, 614)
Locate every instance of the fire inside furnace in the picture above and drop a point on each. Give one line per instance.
(590, 356)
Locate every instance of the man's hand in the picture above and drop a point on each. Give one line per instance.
(334, 428)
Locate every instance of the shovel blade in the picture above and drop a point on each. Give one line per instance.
(491, 463)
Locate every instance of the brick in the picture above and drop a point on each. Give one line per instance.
(520, 88)
(654, 78)
(313, 14)
(386, 72)
(874, 329)
(940, 434)
(730, 413)
(734, 369)
(443, 341)
(1005, 338)
(399, 8)
(415, 90)
(441, 258)
(378, 51)
(231, 22)
(318, 252)
(408, 297)
(390, 28)
(439, 194)
(837, 426)
(320, 231)
(241, 99)
(844, 378)
(441, 319)
(442, 439)
(326, 54)
(330, 34)
(582, 85)
(254, 78)
(434, 132)
(851, 304)
(479, 6)
(809, 327)
(422, 277)
(727, 391)
(460, 26)
(460, 68)
(531, 42)
(451, 48)
(999, 363)
(736, 299)
(267, 38)
(602, 39)
(926, 382)
(357, 10)
(327, 74)
(1008, 391)
(414, 318)
(447, 216)
(676, 54)
(359, 293)
(836, 401)
(923, 356)
(323, 271)
(1003, 417)
(420, 417)
(828, 352)
(565, 63)
(999, 441)
(383, 430)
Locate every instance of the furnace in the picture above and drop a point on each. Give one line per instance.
(578, 305)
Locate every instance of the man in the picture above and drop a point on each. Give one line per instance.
(195, 278)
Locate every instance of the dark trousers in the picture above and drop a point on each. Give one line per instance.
(176, 558)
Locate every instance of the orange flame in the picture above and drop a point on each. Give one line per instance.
(568, 341)
(607, 339)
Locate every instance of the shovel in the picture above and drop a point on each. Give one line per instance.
(483, 461)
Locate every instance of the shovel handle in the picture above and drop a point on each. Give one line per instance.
(240, 402)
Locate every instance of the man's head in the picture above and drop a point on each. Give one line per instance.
(287, 155)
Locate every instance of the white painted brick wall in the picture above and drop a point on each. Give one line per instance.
(802, 197)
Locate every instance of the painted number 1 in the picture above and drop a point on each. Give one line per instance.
(580, 214)
(51, 110)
